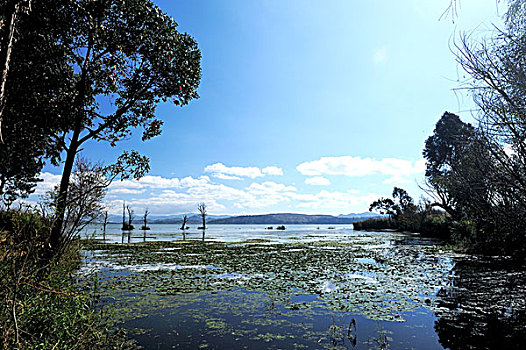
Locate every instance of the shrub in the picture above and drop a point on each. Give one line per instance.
(40, 305)
(436, 226)
(374, 224)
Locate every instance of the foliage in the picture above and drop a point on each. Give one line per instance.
(436, 224)
(477, 174)
(40, 307)
(84, 203)
(404, 215)
(105, 66)
(374, 224)
(492, 186)
(35, 105)
(396, 207)
(460, 167)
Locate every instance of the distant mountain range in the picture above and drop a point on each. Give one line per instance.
(288, 218)
(363, 216)
(280, 218)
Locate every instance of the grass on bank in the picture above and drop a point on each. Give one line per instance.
(40, 304)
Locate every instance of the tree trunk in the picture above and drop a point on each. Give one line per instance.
(62, 197)
(123, 215)
(18, 7)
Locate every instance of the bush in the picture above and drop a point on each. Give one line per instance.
(374, 224)
(436, 226)
(40, 305)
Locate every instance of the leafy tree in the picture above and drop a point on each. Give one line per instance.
(494, 193)
(395, 207)
(404, 215)
(403, 200)
(32, 105)
(446, 152)
(384, 206)
(466, 177)
(122, 59)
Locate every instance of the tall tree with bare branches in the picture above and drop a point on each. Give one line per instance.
(201, 208)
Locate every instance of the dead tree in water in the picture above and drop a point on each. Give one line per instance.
(130, 217)
(145, 219)
(104, 224)
(123, 215)
(201, 207)
(183, 227)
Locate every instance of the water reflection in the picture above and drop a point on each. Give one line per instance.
(484, 307)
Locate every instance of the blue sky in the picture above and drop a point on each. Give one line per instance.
(306, 106)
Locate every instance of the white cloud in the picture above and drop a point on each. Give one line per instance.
(226, 177)
(269, 187)
(157, 182)
(317, 181)
(335, 202)
(126, 191)
(357, 166)
(49, 181)
(181, 195)
(221, 171)
(272, 170)
(380, 55)
(396, 180)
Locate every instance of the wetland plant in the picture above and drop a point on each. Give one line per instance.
(337, 333)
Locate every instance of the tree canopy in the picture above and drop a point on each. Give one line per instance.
(110, 63)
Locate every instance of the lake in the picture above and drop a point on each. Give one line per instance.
(308, 287)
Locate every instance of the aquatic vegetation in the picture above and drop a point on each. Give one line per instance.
(284, 295)
(346, 277)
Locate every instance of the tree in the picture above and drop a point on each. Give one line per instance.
(497, 68)
(131, 213)
(123, 227)
(122, 58)
(33, 105)
(201, 208)
(384, 206)
(447, 154)
(400, 203)
(183, 226)
(8, 26)
(461, 170)
(145, 220)
(401, 209)
(104, 224)
(84, 202)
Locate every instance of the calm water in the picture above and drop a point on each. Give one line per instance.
(246, 287)
(224, 233)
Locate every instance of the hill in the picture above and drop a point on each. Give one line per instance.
(286, 218)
